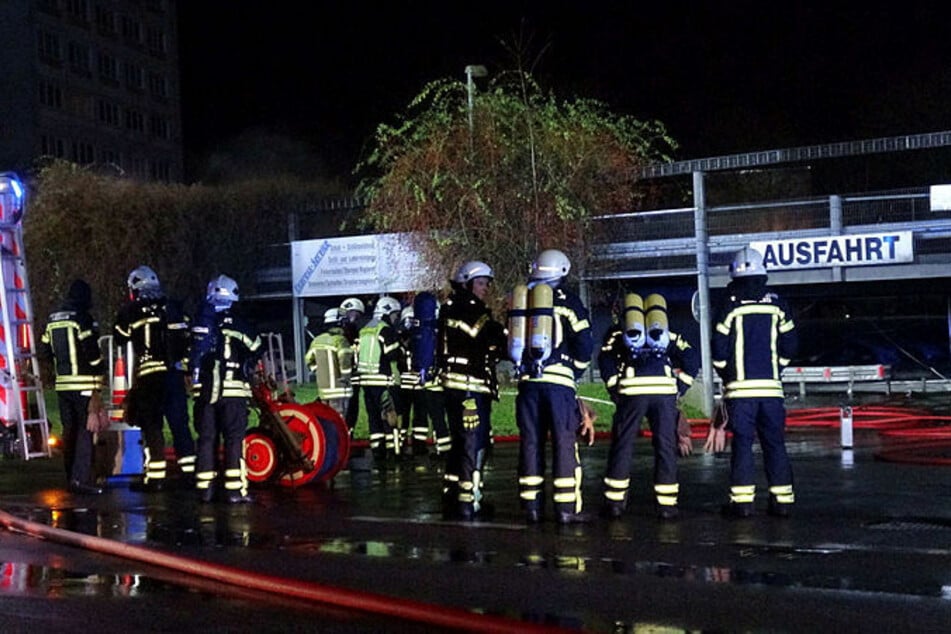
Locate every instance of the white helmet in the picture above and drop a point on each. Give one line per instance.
(746, 263)
(471, 270)
(550, 265)
(352, 303)
(384, 306)
(222, 292)
(332, 316)
(143, 282)
(407, 317)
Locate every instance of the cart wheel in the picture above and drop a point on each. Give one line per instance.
(260, 456)
(310, 435)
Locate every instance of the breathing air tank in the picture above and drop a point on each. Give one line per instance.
(518, 323)
(541, 325)
(423, 338)
(658, 332)
(634, 328)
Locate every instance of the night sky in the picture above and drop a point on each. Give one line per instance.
(724, 76)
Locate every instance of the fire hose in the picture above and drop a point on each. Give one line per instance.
(406, 609)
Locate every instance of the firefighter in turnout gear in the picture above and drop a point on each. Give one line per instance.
(470, 345)
(557, 352)
(176, 392)
(330, 358)
(422, 398)
(224, 355)
(377, 352)
(753, 340)
(351, 310)
(144, 322)
(645, 367)
(71, 338)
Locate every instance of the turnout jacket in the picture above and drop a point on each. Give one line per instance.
(378, 348)
(469, 344)
(572, 343)
(330, 357)
(144, 322)
(224, 352)
(753, 340)
(646, 370)
(71, 338)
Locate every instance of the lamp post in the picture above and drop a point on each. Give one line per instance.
(471, 72)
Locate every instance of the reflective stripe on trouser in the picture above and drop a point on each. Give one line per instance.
(742, 494)
(187, 464)
(376, 440)
(541, 409)
(615, 491)
(666, 494)
(203, 479)
(154, 469)
(443, 444)
(420, 434)
(763, 419)
(782, 494)
(237, 479)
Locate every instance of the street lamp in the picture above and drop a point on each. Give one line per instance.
(473, 71)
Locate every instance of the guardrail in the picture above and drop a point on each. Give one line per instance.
(849, 374)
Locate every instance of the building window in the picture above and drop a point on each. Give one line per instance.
(155, 40)
(79, 58)
(51, 95)
(105, 20)
(52, 146)
(158, 86)
(108, 112)
(49, 48)
(158, 126)
(81, 152)
(131, 30)
(108, 69)
(134, 76)
(134, 120)
(78, 10)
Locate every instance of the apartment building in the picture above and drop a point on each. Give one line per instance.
(95, 82)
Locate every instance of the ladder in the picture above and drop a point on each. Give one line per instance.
(22, 405)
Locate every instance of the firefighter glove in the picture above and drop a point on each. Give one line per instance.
(470, 414)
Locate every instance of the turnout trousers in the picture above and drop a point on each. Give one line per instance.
(765, 419)
(227, 418)
(542, 409)
(77, 440)
(468, 453)
(661, 412)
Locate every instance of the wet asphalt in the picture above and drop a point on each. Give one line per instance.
(868, 548)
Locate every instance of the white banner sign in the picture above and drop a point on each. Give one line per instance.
(850, 250)
(359, 265)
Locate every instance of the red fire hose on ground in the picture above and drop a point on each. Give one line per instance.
(405, 609)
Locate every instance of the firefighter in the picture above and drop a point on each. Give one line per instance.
(330, 358)
(552, 362)
(144, 322)
(407, 407)
(352, 310)
(176, 391)
(377, 353)
(224, 357)
(646, 367)
(754, 339)
(470, 346)
(71, 339)
(429, 408)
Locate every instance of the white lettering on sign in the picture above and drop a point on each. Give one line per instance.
(849, 250)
